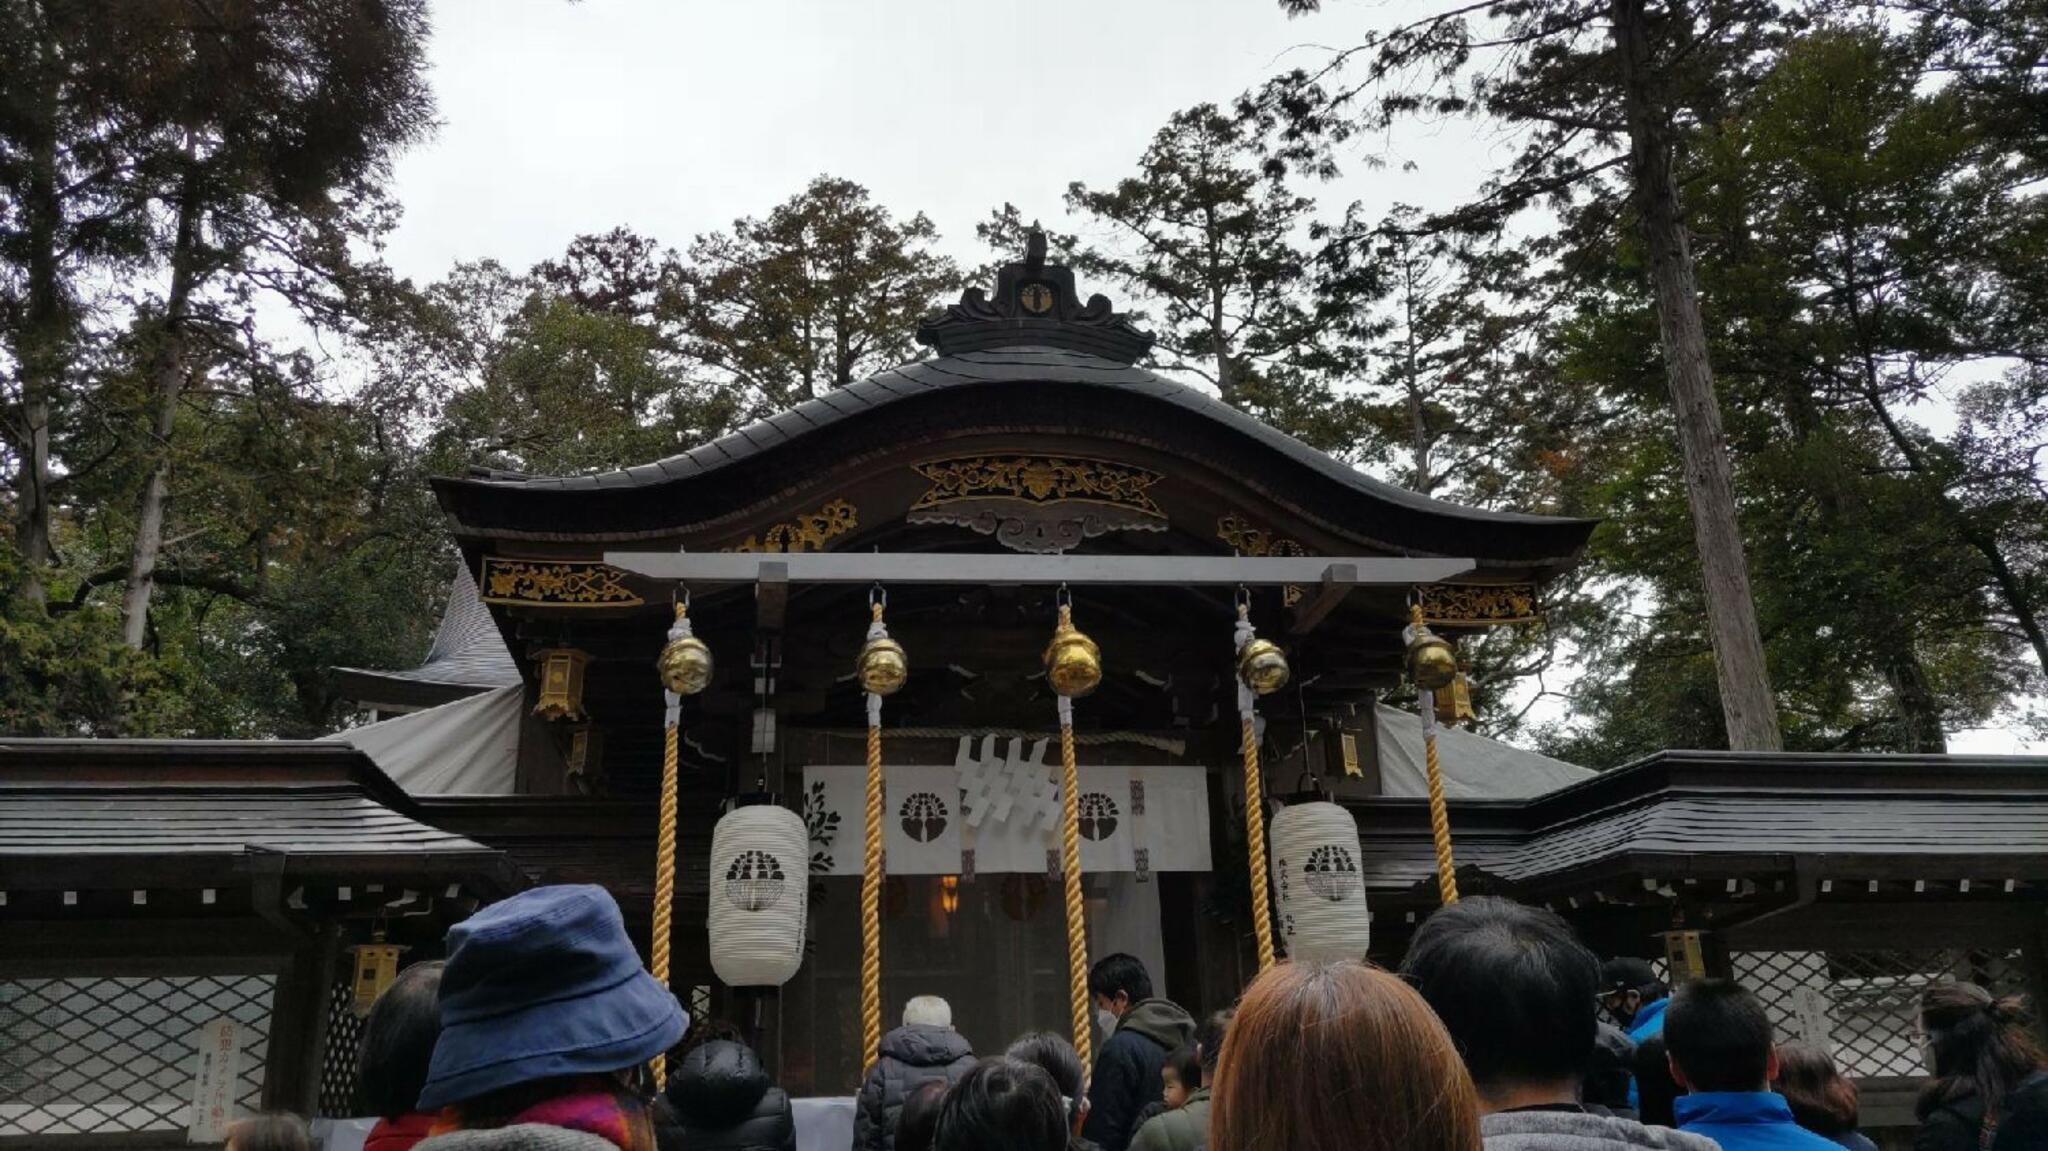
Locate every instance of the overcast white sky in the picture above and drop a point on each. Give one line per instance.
(677, 117)
(674, 117)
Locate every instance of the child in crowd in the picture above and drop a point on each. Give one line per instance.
(1181, 1074)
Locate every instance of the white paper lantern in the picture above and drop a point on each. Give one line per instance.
(1318, 888)
(760, 883)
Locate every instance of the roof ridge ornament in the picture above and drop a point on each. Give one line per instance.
(1035, 303)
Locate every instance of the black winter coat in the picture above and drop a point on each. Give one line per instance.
(910, 1055)
(722, 1096)
(1127, 1070)
(1958, 1125)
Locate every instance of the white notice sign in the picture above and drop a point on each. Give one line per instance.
(213, 1081)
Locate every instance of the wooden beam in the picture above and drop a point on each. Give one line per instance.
(1079, 570)
(1338, 580)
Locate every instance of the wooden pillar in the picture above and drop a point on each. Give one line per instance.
(298, 1026)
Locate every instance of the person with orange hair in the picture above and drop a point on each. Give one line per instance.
(1341, 1057)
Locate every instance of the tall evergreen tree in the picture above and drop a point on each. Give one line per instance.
(825, 289)
(1597, 86)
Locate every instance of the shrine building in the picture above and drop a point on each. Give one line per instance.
(150, 888)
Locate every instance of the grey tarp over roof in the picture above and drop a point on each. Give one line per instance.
(468, 650)
(468, 747)
(1473, 766)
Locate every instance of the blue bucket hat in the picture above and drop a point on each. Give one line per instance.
(544, 984)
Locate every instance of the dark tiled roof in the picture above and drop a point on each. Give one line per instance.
(146, 807)
(1863, 812)
(210, 820)
(1078, 387)
(1003, 366)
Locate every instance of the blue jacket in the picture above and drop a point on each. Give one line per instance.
(1649, 1020)
(1747, 1121)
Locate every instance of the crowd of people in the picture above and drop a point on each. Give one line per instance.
(538, 1031)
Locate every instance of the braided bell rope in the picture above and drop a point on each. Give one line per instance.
(1254, 801)
(1439, 815)
(1070, 876)
(871, 885)
(665, 838)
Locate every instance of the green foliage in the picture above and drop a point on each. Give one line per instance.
(1211, 243)
(824, 290)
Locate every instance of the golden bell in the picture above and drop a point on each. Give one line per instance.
(1262, 666)
(685, 665)
(1431, 662)
(1073, 664)
(883, 666)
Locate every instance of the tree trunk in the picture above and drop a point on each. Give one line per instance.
(45, 340)
(1747, 706)
(1418, 423)
(167, 376)
(1919, 710)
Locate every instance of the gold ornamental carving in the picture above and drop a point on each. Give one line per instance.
(805, 533)
(1039, 480)
(1239, 533)
(1250, 540)
(555, 583)
(1479, 605)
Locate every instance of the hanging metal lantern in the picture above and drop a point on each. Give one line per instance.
(760, 884)
(1319, 889)
(685, 662)
(1454, 706)
(561, 683)
(1073, 664)
(376, 968)
(1431, 662)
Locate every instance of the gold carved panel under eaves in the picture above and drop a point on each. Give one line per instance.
(805, 533)
(1038, 479)
(1043, 505)
(555, 583)
(1249, 540)
(1479, 605)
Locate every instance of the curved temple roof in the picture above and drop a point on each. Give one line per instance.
(1064, 370)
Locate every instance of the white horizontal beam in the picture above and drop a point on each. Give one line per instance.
(890, 568)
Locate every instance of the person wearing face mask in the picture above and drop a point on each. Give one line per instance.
(1634, 996)
(1631, 993)
(1141, 1029)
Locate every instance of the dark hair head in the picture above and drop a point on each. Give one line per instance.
(1052, 1054)
(270, 1131)
(1513, 986)
(1002, 1104)
(1119, 972)
(1340, 1058)
(1979, 1043)
(1209, 1041)
(1719, 1035)
(1656, 1091)
(1186, 1065)
(398, 1042)
(1629, 973)
(920, 1116)
(1822, 1100)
